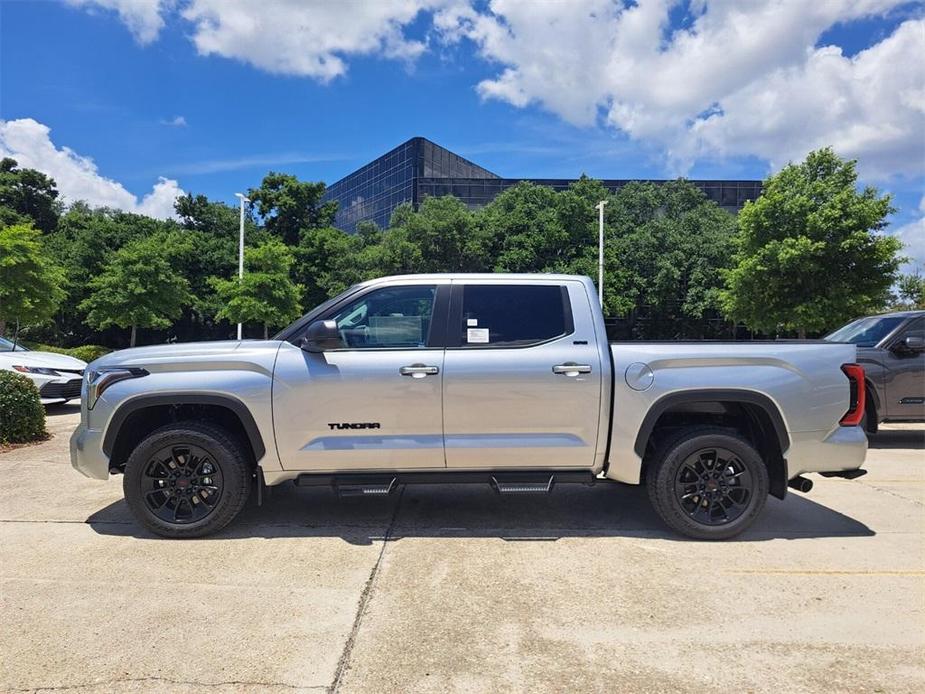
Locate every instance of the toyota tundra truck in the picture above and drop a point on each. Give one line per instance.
(500, 379)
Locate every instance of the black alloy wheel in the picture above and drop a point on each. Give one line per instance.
(188, 479)
(707, 483)
(182, 484)
(713, 486)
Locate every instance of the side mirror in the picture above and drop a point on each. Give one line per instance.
(320, 336)
(913, 343)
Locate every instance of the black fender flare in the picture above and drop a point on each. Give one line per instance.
(160, 399)
(666, 402)
(872, 393)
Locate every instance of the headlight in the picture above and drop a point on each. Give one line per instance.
(36, 370)
(100, 379)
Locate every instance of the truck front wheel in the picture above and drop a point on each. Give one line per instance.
(187, 479)
(708, 483)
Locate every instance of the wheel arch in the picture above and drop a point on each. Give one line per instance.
(136, 418)
(752, 414)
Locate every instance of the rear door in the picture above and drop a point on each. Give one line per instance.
(522, 376)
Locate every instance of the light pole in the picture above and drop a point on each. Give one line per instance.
(241, 246)
(600, 252)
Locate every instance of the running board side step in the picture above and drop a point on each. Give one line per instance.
(536, 484)
(845, 474)
(504, 482)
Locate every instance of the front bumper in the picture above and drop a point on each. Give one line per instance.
(61, 389)
(844, 448)
(87, 455)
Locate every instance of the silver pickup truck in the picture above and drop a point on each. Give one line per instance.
(506, 380)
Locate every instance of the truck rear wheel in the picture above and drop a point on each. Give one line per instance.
(708, 483)
(187, 479)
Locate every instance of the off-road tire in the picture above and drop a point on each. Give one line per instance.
(223, 448)
(662, 482)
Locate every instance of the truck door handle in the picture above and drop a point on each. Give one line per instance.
(571, 369)
(418, 370)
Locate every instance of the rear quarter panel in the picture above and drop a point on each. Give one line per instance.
(804, 380)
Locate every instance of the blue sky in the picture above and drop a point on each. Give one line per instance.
(211, 94)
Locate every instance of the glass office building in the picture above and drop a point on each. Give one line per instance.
(419, 168)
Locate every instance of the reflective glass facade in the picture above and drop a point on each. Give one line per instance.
(375, 190)
(730, 195)
(419, 168)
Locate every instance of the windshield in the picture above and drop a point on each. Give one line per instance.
(7, 346)
(865, 332)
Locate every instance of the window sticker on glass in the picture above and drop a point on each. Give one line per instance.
(472, 322)
(477, 335)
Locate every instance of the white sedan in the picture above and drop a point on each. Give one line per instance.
(57, 376)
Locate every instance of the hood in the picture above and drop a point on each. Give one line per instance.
(51, 360)
(184, 355)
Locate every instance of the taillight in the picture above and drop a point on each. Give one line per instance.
(855, 413)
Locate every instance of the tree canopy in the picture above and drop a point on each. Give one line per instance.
(31, 285)
(805, 256)
(290, 206)
(809, 252)
(27, 195)
(266, 294)
(138, 287)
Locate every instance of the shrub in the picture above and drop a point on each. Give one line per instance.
(22, 417)
(86, 353)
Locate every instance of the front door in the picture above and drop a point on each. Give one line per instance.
(375, 403)
(522, 376)
(905, 376)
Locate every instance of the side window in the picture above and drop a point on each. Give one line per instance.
(513, 315)
(396, 317)
(915, 329)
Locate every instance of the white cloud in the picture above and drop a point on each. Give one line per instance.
(144, 18)
(866, 107)
(741, 79)
(310, 38)
(29, 143)
(176, 122)
(912, 236)
(736, 79)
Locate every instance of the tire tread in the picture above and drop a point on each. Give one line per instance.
(236, 472)
(662, 496)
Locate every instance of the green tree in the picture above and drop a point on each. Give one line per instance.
(31, 284)
(266, 294)
(525, 231)
(910, 292)
(325, 263)
(445, 232)
(392, 253)
(289, 206)
(83, 243)
(138, 287)
(808, 254)
(27, 194)
(667, 248)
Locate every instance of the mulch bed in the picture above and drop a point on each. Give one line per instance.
(7, 447)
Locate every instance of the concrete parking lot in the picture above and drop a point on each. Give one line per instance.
(439, 589)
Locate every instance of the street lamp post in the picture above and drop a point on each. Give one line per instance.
(243, 200)
(600, 252)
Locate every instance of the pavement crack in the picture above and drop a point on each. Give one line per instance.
(344, 661)
(169, 680)
(873, 485)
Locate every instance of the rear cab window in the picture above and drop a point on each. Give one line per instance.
(509, 315)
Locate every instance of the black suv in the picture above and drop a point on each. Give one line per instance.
(891, 348)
